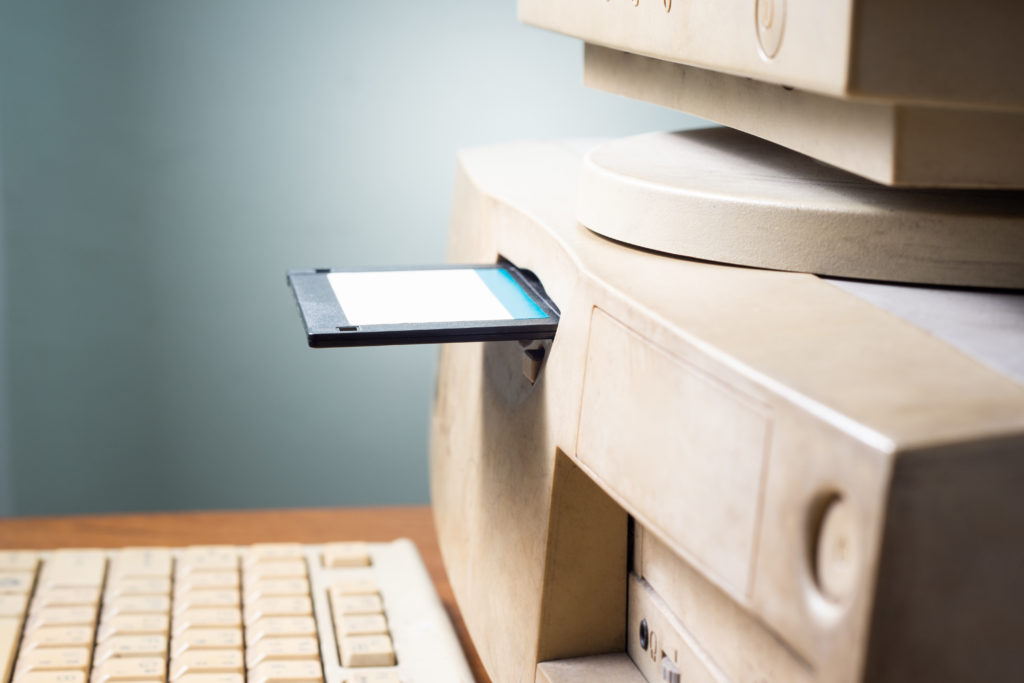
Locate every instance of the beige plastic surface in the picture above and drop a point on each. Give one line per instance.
(721, 195)
(963, 54)
(706, 620)
(920, 441)
(597, 669)
(905, 145)
(666, 638)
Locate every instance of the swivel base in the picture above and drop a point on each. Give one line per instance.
(720, 195)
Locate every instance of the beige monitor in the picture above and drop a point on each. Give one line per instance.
(857, 96)
(905, 92)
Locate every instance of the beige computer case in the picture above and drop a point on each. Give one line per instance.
(784, 481)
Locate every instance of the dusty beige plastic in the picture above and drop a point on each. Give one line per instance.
(533, 483)
(598, 669)
(898, 144)
(721, 195)
(951, 53)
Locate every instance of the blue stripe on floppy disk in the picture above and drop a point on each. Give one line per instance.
(510, 293)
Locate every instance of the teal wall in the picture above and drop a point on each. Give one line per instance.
(164, 163)
(6, 483)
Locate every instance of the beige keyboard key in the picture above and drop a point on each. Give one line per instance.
(131, 646)
(73, 569)
(206, 639)
(207, 558)
(344, 605)
(13, 605)
(16, 582)
(130, 669)
(270, 649)
(58, 636)
(18, 560)
(272, 552)
(137, 604)
(61, 616)
(10, 631)
(207, 617)
(51, 677)
(276, 588)
(346, 555)
(361, 625)
(66, 597)
(141, 563)
(133, 625)
(367, 651)
(377, 676)
(285, 569)
(355, 585)
(205, 580)
(54, 659)
(118, 587)
(278, 607)
(207, 662)
(279, 627)
(287, 671)
(212, 678)
(206, 598)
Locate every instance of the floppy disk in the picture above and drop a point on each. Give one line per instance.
(422, 305)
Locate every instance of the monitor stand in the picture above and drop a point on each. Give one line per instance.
(718, 194)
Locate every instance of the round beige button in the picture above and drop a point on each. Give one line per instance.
(770, 16)
(838, 556)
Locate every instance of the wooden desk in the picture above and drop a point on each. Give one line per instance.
(242, 528)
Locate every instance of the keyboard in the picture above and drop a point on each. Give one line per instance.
(266, 613)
